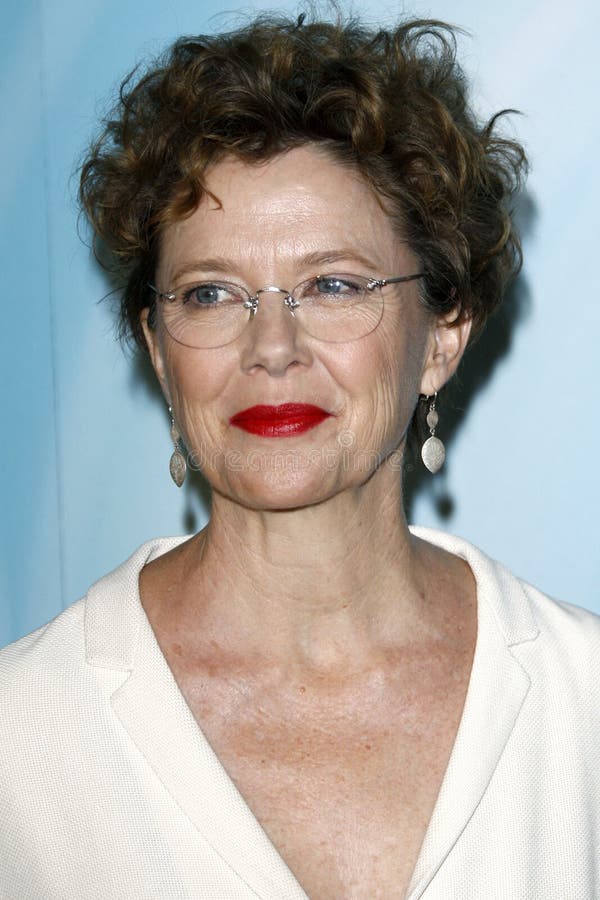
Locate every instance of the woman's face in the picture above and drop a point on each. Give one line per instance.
(278, 223)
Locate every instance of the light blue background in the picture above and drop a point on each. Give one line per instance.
(85, 439)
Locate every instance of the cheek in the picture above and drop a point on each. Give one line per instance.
(385, 375)
(196, 380)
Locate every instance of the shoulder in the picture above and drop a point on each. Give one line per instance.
(557, 635)
(499, 584)
(60, 647)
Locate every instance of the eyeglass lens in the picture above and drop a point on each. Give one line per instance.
(334, 308)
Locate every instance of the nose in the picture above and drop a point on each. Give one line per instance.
(273, 340)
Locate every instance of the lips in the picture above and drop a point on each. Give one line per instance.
(279, 421)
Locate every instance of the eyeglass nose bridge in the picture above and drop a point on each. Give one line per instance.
(252, 302)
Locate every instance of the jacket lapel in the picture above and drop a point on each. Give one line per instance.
(151, 708)
(497, 690)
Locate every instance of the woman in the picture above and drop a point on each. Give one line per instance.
(306, 698)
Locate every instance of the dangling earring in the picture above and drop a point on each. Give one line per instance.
(177, 463)
(433, 452)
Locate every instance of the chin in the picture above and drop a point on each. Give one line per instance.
(291, 482)
(278, 489)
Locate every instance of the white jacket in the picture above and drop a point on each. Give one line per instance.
(109, 790)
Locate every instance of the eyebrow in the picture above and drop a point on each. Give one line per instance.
(209, 264)
(225, 266)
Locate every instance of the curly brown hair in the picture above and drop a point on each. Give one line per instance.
(391, 102)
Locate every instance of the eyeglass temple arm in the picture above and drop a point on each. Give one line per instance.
(381, 282)
(159, 294)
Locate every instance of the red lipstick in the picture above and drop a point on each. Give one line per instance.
(279, 421)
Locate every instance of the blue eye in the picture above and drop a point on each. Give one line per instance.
(335, 285)
(329, 285)
(205, 294)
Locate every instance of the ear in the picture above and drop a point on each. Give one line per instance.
(447, 343)
(156, 352)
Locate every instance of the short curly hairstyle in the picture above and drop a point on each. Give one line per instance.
(393, 103)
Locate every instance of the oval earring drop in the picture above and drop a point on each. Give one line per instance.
(433, 452)
(177, 463)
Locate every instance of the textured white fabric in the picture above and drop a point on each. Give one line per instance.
(108, 788)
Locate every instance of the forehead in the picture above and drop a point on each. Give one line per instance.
(297, 203)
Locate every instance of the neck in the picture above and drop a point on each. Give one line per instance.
(327, 584)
